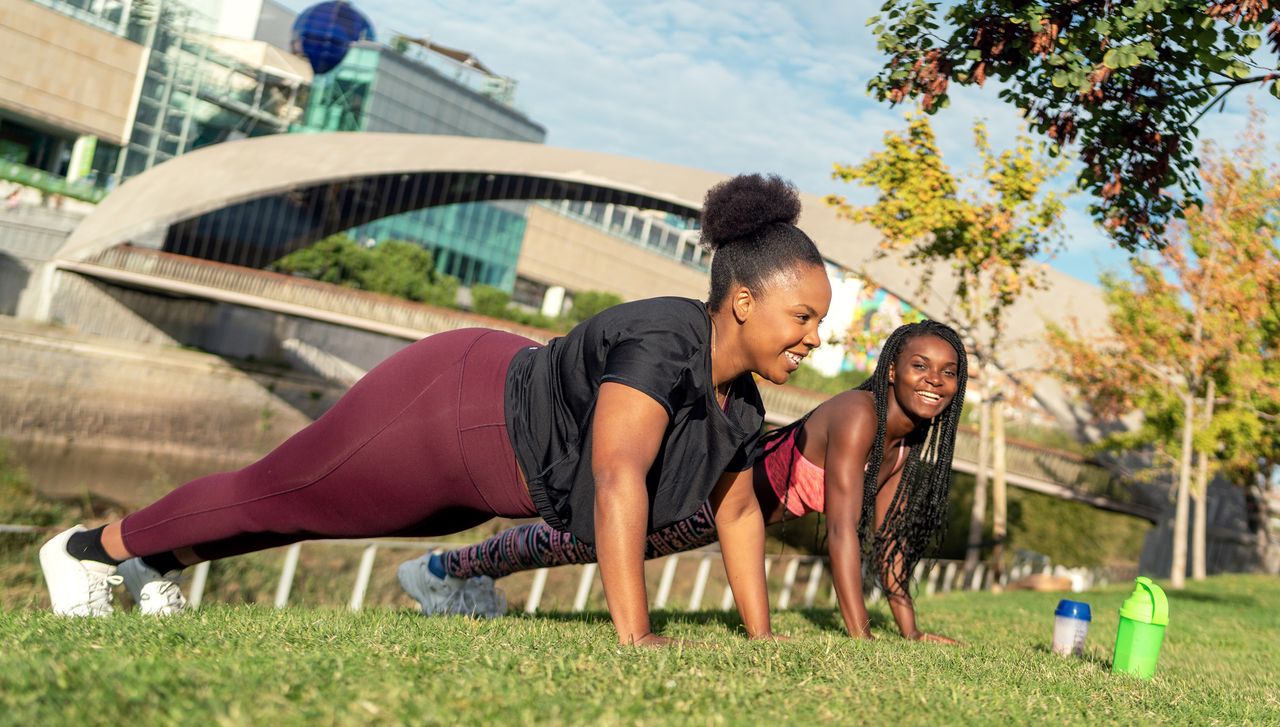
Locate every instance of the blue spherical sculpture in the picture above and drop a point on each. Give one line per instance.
(323, 33)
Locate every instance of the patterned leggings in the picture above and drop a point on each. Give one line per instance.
(538, 545)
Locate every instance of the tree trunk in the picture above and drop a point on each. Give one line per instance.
(999, 504)
(1201, 523)
(1178, 571)
(978, 515)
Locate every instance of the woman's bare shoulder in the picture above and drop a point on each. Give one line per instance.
(848, 413)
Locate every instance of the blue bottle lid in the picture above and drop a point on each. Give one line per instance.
(1073, 609)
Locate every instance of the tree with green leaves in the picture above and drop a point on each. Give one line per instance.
(393, 267)
(587, 303)
(1129, 82)
(1193, 344)
(989, 230)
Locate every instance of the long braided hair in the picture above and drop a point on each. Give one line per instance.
(916, 522)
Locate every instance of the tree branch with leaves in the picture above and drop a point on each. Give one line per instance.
(1129, 82)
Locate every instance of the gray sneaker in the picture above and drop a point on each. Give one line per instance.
(434, 594)
(489, 600)
(76, 587)
(156, 593)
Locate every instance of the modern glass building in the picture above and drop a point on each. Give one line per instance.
(667, 234)
(416, 87)
(412, 91)
(476, 243)
(157, 84)
(196, 92)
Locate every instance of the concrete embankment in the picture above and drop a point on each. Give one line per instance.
(128, 421)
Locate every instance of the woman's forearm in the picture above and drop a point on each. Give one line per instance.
(621, 511)
(846, 571)
(904, 613)
(742, 547)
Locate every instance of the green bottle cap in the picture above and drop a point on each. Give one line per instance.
(1147, 604)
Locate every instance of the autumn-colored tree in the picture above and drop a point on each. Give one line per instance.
(1128, 82)
(1186, 348)
(989, 230)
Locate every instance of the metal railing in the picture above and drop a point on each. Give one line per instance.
(50, 183)
(806, 581)
(795, 591)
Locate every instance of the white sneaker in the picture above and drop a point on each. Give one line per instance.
(156, 593)
(76, 587)
(489, 600)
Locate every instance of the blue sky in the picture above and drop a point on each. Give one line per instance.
(741, 86)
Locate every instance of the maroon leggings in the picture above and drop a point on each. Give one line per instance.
(417, 448)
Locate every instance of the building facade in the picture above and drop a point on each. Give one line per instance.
(98, 92)
(417, 87)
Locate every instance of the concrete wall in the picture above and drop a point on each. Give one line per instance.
(560, 251)
(129, 420)
(66, 73)
(1229, 547)
(29, 236)
(124, 314)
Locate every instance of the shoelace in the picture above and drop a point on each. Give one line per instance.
(461, 602)
(100, 592)
(168, 590)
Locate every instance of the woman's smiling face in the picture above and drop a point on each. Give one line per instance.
(783, 326)
(925, 377)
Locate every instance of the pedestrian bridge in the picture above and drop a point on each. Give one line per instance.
(253, 201)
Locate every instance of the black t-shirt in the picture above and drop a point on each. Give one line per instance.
(661, 347)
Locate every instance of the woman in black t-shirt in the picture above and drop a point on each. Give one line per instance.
(629, 422)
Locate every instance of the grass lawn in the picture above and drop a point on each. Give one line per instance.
(234, 665)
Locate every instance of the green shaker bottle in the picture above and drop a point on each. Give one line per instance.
(1143, 617)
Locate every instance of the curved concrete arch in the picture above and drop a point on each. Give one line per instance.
(227, 174)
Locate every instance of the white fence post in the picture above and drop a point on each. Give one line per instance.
(584, 587)
(815, 576)
(788, 581)
(199, 577)
(287, 573)
(700, 583)
(535, 590)
(664, 584)
(975, 581)
(948, 577)
(362, 577)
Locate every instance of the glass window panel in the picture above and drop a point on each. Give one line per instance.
(147, 113)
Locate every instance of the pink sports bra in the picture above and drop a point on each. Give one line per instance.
(808, 481)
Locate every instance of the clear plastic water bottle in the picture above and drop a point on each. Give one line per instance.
(1070, 627)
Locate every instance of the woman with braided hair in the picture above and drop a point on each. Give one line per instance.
(876, 460)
